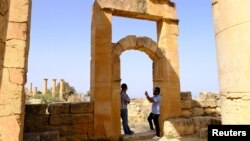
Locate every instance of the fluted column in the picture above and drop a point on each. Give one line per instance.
(45, 83)
(35, 91)
(53, 87)
(30, 90)
(61, 89)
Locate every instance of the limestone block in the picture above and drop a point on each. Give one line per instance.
(17, 31)
(208, 103)
(80, 108)
(178, 127)
(59, 108)
(36, 120)
(196, 103)
(35, 109)
(198, 111)
(186, 113)
(69, 119)
(236, 110)
(19, 10)
(186, 96)
(186, 104)
(129, 42)
(210, 111)
(208, 95)
(10, 129)
(11, 95)
(117, 49)
(143, 9)
(15, 54)
(50, 136)
(32, 137)
(17, 76)
(63, 130)
(82, 137)
(218, 110)
(78, 129)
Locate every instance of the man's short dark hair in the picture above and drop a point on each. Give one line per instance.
(124, 86)
(157, 89)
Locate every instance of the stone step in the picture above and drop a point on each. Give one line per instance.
(42, 136)
(143, 136)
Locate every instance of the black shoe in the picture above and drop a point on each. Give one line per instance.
(130, 133)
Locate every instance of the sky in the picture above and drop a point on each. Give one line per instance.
(60, 46)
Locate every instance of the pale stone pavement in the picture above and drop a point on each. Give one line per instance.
(147, 136)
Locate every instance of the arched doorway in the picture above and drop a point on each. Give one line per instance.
(105, 62)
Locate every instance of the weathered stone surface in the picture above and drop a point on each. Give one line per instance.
(32, 137)
(15, 49)
(143, 9)
(80, 108)
(186, 113)
(17, 76)
(210, 111)
(20, 10)
(36, 120)
(208, 103)
(4, 8)
(10, 129)
(128, 42)
(69, 119)
(178, 127)
(59, 108)
(186, 104)
(198, 111)
(17, 31)
(186, 96)
(50, 136)
(79, 129)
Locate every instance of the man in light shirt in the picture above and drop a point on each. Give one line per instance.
(155, 110)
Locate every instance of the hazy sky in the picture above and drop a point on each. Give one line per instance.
(60, 46)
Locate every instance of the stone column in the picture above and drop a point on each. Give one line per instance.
(35, 91)
(166, 70)
(45, 83)
(14, 50)
(61, 89)
(232, 32)
(106, 119)
(53, 87)
(30, 90)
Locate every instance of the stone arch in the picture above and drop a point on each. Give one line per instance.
(105, 62)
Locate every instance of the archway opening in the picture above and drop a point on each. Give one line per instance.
(136, 72)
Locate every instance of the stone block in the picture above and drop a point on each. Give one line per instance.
(186, 96)
(70, 119)
(78, 129)
(15, 54)
(186, 113)
(178, 127)
(210, 111)
(211, 103)
(32, 137)
(198, 111)
(50, 136)
(35, 109)
(36, 120)
(128, 42)
(17, 31)
(81, 108)
(17, 76)
(59, 108)
(19, 10)
(186, 104)
(10, 129)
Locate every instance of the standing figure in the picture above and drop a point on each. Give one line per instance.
(125, 100)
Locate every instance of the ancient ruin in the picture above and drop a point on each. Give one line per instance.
(100, 118)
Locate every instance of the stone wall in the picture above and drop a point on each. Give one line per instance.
(197, 114)
(207, 104)
(60, 121)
